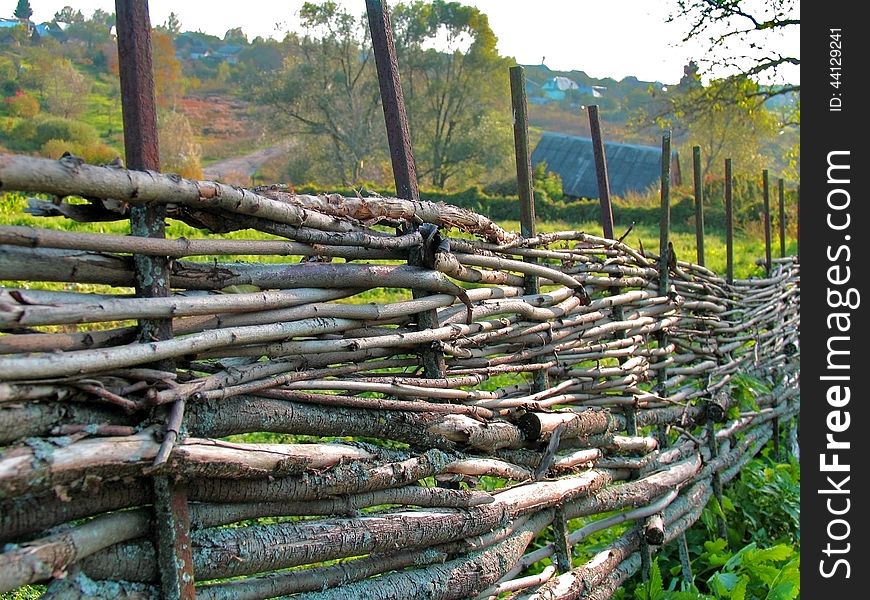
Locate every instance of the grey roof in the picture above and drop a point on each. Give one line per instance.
(630, 167)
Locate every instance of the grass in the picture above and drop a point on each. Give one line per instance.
(748, 246)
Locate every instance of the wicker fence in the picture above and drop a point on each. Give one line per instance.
(119, 465)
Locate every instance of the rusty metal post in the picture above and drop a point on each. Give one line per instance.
(601, 172)
(713, 443)
(139, 113)
(798, 249)
(401, 154)
(781, 191)
(607, 227)
(729, 224)
(699, 203)
(525, 187)
(665, 217)
(765, 183)
(393, 100)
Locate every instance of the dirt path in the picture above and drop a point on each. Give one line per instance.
(240, 169)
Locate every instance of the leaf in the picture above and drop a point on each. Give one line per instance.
(785, 590)
(656, 588)
(777, 553)
(723, 583)
(739, 591)
(737, 559)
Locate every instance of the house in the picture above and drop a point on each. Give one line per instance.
(556, 88)
(630, 167)
(229, 53)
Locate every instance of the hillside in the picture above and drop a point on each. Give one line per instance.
(216, 103)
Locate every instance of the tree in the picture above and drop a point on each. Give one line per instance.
(725, 118)
(327, 88)
(23, 10)
(94, 32)
(741, 36)
(168, 80)
(236, 36)
(69, 15)
(458, 98)
(179, 152)
(173, 24)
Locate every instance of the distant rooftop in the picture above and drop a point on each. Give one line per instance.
(630, 167)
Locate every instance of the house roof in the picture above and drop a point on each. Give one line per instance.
(560, 83)
(630, 167)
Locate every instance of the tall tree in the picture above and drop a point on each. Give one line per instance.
(173, 24)
(457, 88)
(168, 80)
(69, 15)
(725, 118)
(742, 36)
(23, 10)
(327, 88)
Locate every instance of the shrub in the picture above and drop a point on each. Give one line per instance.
(95, 152)
(22, 133)
(58, 128)
(22, 106)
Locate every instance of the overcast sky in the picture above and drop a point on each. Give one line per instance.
(609, 38)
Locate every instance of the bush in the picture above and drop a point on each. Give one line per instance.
(94, 153)
(22, 133)
(22, 106)
(58, 128)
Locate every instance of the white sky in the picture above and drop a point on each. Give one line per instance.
(604, 38)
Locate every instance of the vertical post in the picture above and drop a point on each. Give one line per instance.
(560, 541)
(722, 526)
(664, 285)
(765, 184)
(665, 217)
(729, 224)
(781, 191)
(601, 173)
(685, 560)
(608, 229)
(139, 113)
(525, 186)
(699, 203)
(399, 139)
(798, 250)
(393, 101)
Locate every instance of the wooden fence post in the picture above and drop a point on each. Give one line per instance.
(139, 113)
(525, 188)
(729, 224)
(781, 190)
(401, 155)
(607, 227)
(665, 217)
(798, 251)
(768, 258)
(601, 172)
(699, 203)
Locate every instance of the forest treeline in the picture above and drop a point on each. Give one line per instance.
(318, 86)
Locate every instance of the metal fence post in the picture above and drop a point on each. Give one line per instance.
(765, 182)
(729, 224)
(139, 113)
(699, 203)
(399, 139)
(781, 191)
(525, 187)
